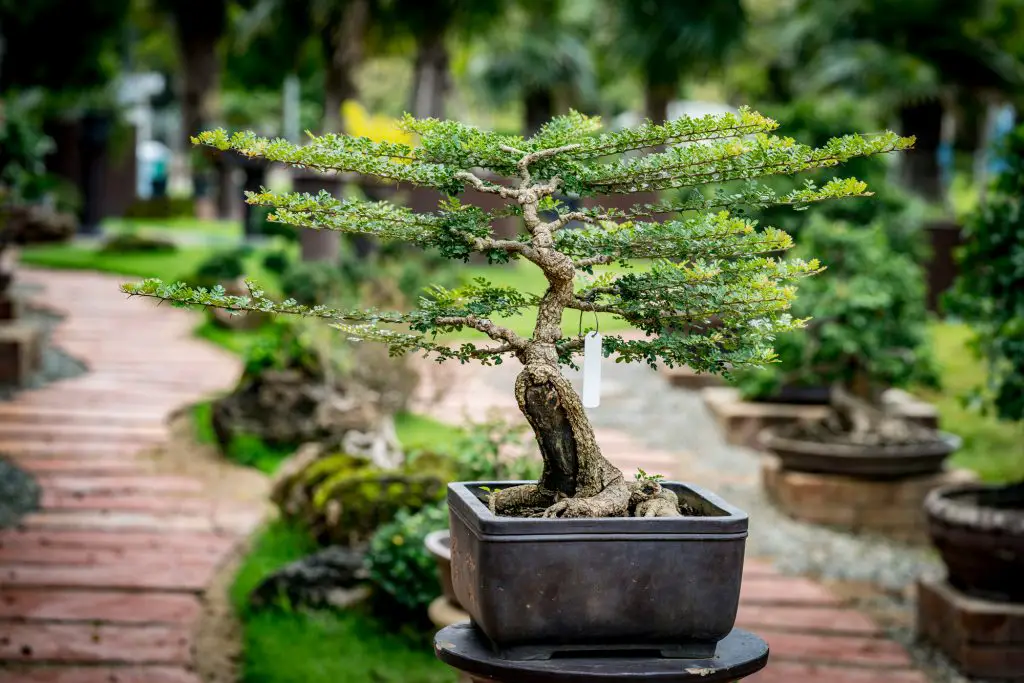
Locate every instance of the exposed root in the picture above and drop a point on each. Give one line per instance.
(650, 499)
(512, 502)
(613, 501)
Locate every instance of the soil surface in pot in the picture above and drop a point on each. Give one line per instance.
(643, 494)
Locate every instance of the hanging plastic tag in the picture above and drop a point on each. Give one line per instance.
(592, 370)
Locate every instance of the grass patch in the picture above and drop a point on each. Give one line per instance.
(419, 432)
(323, 646)
(244, 449)
(526, 277)
(236, 341)
(195, 226)
(991, 447)
(170, 266)
(415, 432)
(173, 265)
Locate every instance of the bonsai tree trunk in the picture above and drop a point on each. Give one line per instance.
(430, 76)
(921, 171)
(577, 480)
(343, 44)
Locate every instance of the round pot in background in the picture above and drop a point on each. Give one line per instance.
(438, 544)
(979, 531)
(869, 462)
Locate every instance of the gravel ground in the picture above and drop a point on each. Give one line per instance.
(877, 574)
(19, 492)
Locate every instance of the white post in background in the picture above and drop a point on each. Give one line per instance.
(290, 109)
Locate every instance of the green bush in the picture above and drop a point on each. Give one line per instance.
(990, 292)
(868, 327)
(220, 267)
(496, 450)
(161, 207)
(314, 283)
(398, 561)
(130, 242)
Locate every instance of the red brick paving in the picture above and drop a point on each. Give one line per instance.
(135, 674)
(103, 584)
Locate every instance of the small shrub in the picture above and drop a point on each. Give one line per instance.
(130, 242)
(868, 327)
(223, 266)
(313, 283)
(497, 450)
(162, 207)
(398, 561)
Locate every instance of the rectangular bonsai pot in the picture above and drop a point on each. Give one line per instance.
(540, 586)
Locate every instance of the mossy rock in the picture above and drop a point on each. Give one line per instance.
(343, 498)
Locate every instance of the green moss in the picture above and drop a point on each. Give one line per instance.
(320, 646)
(991, 447)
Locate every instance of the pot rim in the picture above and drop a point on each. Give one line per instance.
(946, 444)
(436, 546)
(731, 523)
(945, 507)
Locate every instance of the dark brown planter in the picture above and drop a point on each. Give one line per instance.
(979, 531)
(438, 544)
(540, 586)
(799, 396)
(869, 462)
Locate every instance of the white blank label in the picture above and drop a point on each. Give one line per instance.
(592, 370)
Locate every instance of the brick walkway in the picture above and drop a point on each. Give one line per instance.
(814, 637)
(103, 584)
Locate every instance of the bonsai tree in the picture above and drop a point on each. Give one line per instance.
(869, 331)
(699, 263)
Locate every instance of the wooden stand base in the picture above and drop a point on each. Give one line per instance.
(984, 639)
(893, 508)
(21, 352)
(741, 421)
(463, 647)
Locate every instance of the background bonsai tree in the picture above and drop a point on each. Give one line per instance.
(989, 294)
(700, 262)
(869, 327)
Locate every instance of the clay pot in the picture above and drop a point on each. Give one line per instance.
(979, 531)
(851, 460)
(537, 587)
(438, 544)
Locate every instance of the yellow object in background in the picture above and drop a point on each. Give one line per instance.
(360, 122)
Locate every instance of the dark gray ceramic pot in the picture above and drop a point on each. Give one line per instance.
(868, 462)
(540, 586)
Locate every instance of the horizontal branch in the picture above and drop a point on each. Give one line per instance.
(496, 332)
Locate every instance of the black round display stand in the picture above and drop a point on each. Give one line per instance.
(462, 647)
